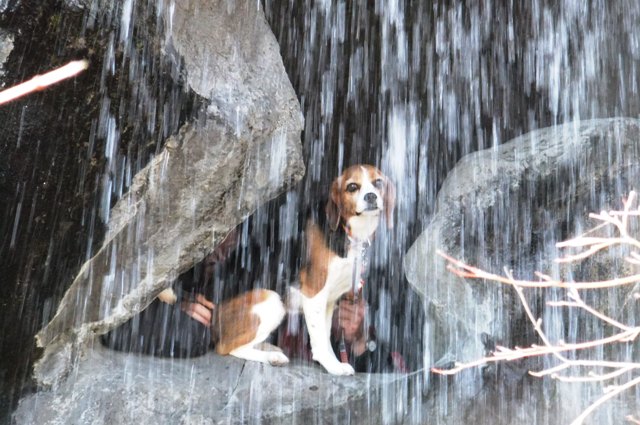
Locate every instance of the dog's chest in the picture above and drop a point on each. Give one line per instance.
(347, 273)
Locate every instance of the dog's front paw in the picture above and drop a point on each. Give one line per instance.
(337, 368)
(277, 358)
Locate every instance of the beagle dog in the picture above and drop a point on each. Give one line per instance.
(359, 200)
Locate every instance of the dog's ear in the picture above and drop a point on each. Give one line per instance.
(389, 202)
(333, 206)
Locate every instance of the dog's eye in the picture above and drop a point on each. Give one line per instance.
(378, 183)
(352, 187)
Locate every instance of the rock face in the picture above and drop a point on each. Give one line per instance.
(507, 207)
(6, 46)
(215, 172)
(111, 387)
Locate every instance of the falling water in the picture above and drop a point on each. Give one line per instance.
(414, 86)
(408, 85)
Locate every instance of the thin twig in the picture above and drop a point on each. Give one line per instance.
(590, 246)
(631, 419)
(613, 391)
(592, 377)
(40, 82)
(548, 348)
(590, 310)
(464, 270)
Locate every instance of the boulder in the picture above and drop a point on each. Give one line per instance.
(6, 46)
(111, 387)
(506, 207)
(209, 177)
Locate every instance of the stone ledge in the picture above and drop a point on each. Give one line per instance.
(112, 387)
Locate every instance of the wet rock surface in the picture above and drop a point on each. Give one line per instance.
(548, 177)
(45, 146)
(242, 152)
(111, 387)
(506, 208)
(6, 46)
(469, 78)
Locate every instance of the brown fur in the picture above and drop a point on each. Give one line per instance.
(235, 325)
(389, 202)
(341, 204)
(333, 208)
(340, 207)
(314, 275)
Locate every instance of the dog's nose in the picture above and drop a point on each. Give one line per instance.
(370, 198)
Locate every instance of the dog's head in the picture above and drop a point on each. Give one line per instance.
(358, 197)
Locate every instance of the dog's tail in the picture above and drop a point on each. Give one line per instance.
(293, 300)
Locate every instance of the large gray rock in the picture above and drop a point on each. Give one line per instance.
(116, 388)
(232, 58)
(206, 180)
(507, 207)
(6, 47)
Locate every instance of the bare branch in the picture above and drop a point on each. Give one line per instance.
(590, 245)
(40, 82)
(611, 393)
(592, 377)
(579, 303)
(464, 270)
(535, 350)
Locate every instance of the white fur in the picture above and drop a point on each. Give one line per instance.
(366, 187)
(318, 313)
(294, 300)
(270, 312)
(318, 310)
(365, 223)
(362, 227)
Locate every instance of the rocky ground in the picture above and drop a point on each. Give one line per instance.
(110, 387)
